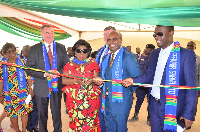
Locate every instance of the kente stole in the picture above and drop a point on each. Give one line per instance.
(117, 89)
(21, 81)
(52, 83)
(172, 78)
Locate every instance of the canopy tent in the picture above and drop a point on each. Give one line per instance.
(179, 12)
(139, 14)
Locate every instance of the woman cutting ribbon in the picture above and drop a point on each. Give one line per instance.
(83, 99)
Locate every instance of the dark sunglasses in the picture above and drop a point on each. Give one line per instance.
(158, 33)
(10, 51)
(83, 50)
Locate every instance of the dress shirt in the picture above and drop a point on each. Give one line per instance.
(115, 54)
(162, 61)
(47, 47)
(105, 52)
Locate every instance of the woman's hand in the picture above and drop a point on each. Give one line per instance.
(98, 80)
(31, 91)
(85, 82)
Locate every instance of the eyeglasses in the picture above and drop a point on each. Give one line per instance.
(114, 39)
(158, 33)
(106, 34)
(11, 51)
(83, 50)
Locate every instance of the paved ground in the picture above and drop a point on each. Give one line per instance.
(139, 126)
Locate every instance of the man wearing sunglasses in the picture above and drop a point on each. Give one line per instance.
(50, 56)
(170, 64)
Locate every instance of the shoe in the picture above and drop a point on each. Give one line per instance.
(134, 118)
(29, 130)
(35, 129)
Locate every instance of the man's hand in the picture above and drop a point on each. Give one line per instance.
(127, 82)
(188, 123)
(98, 80)
(52, 75)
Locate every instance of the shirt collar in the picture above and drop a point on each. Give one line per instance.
(116, 52)
(168, 49)
(47, 46)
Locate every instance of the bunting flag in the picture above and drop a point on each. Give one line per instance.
(29, 28)
(179, 12)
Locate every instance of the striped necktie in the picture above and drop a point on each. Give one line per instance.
(112, 59)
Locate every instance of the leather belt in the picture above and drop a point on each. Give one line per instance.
(157, 100)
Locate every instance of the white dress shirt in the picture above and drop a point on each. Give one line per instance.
(162, 61)
(115, 54)
(47, 47)
(105, 52)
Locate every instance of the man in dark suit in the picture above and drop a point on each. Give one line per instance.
(157, 74)
(116, 66)
(50, 56)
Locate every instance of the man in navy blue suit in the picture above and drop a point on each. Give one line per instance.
(160, 64)
(100, 54)
(116, 99)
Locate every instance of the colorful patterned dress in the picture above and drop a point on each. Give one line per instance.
(17, 109)
(83, 102)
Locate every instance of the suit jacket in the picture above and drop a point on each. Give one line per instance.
(130, 68)
(186, 100)
(36, 60)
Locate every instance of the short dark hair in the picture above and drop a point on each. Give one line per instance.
(2, 52)
(110, 27)
(82, 42)
(7, 46)
(46, 25)
(192, 42)
(151, 46)
(93, 54)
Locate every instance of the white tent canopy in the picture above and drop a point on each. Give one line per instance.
(81, 28)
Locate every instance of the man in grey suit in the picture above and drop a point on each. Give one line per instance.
(50, 56)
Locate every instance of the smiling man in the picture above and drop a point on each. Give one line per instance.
(170, 64)
(116, 99)
(50, 56)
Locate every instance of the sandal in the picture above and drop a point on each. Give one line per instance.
(1, 130)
